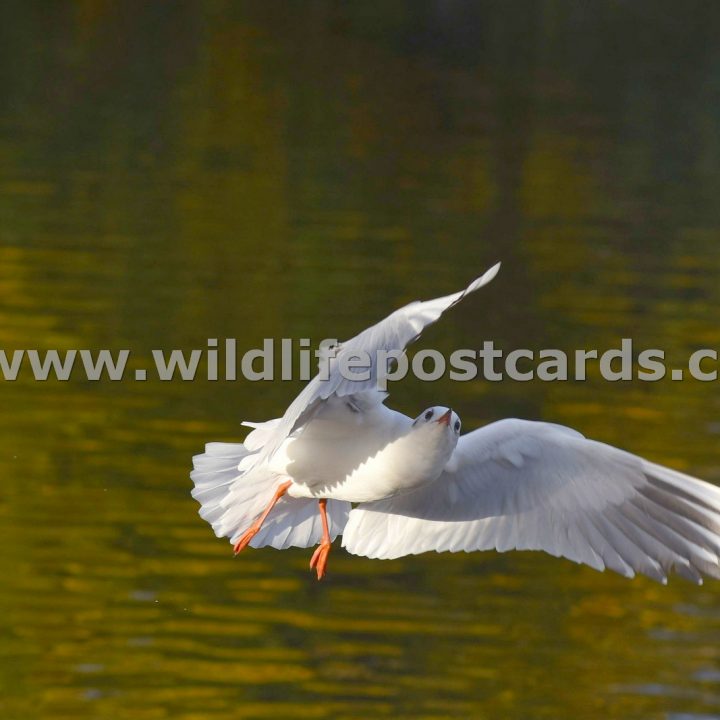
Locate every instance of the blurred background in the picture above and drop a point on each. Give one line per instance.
(172, 172)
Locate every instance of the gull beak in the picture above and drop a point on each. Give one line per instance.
(445, 419)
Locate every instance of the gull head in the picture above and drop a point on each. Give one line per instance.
(434, 433)
(439, 419)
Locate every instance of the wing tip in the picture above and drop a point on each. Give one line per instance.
(484, 279)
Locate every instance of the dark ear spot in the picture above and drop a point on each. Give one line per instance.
(457, 426)
(428, 414)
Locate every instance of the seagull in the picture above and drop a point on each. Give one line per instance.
(340, 462)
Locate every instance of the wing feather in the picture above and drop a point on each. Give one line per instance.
(394, 333)
(535, 486)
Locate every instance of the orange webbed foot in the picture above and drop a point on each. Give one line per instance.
(319, 560)
(244, 541)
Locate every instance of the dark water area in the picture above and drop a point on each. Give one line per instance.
(174, 172)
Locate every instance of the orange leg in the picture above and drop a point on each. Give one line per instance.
(243, 542)
(320, 556)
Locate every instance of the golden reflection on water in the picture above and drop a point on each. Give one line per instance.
(172, 174)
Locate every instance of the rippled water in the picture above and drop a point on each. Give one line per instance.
(171, 173)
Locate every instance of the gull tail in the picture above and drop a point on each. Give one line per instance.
(232, 495)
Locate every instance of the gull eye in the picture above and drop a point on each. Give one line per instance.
(457, 426)
(428, 414)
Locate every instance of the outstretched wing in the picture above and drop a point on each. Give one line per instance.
(526, 485)
(394, 333)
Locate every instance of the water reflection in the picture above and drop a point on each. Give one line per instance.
(172, 173)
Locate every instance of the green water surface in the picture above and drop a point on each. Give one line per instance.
(173, 172)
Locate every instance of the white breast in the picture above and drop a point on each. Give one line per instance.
(361, 457)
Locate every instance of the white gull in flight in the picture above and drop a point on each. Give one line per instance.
(419, 485)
